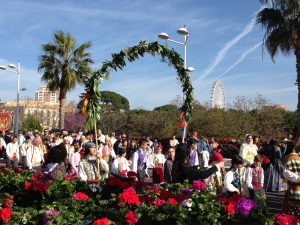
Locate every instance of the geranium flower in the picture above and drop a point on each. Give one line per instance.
(164, 194)
(102, 221)
(40, 186)
(70, 177)
(129, 196)
(198, 185)
(48, 216)
(158, 202)
(244, 206)
(172, 201)
(131, 218)
(284, 219)
(114, 181)
(132, 174)
(17, 170)
(5, 214)
(80, 196)
(181, 197)
(8, 202)
(27, 185)
(36, 176)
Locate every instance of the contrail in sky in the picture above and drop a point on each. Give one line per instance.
(241, 59)
(221, 54)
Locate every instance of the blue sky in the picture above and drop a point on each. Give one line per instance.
(223, 43)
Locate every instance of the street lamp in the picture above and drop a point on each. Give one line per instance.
(17, 70)
(181, 31)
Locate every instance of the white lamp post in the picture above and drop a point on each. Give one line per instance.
(182, 31)
(17, 70)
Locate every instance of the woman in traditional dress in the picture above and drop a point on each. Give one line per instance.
(248, 150)
(159, 160)
(273, 175)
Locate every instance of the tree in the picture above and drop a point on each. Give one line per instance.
(113, 101)
(64, 65)
(31, 123)
(281, 22)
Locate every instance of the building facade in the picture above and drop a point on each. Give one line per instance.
(43, 94)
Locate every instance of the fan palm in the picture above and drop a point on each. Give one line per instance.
(64, 65)
(281, 21)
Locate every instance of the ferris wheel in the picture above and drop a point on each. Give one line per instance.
(217, 99)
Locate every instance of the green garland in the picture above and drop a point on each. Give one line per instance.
(118, 61)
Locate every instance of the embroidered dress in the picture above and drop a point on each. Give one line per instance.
(88, 169)
(158, 172)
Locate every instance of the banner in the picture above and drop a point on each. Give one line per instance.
(5, 120)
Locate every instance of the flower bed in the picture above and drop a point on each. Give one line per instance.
(37, 199)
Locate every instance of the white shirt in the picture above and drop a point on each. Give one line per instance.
(102, 164)
(227, 182)
(287, 174)
(205, 159)
(11, 149)
(2, 142)
(135, 158)
(34, 156)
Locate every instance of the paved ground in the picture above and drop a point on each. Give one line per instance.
(275, 202)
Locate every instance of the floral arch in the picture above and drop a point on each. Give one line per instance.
(90, 100)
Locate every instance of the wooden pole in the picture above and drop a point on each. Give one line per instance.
(96, 136)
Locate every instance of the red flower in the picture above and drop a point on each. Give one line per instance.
(5, 214)
(181, 197)
(40, 186)
(102, 221)
(36, 176)
(8, 202)
(27, 185)
(131, 218)
(17, 170)
(159, 202)
(223, 200)
(164, 194)
(80, 196)
(172, 201)
(132, 174)
(129, 196)
(198, 185)
(70, 177)
(93, 181)
(114, 181)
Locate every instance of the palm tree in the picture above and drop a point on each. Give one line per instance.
(281, 21)
(63, 66)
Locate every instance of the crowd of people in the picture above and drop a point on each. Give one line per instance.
(257, 167)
